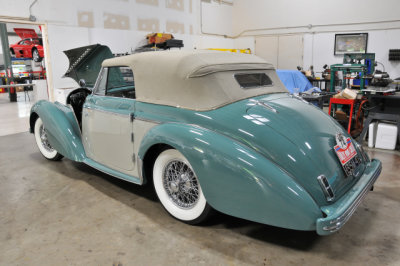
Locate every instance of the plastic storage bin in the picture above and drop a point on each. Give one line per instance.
(386, 136)
(372, 134)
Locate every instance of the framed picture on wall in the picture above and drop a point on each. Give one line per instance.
(355, 43)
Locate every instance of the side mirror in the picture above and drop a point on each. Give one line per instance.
(82, 83)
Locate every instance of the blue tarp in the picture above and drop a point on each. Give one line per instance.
(294, 79)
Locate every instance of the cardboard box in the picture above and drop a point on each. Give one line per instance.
(346, 94)
(349, 94)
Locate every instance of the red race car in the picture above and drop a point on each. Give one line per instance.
(31, 46)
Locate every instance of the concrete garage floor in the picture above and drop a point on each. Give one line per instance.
(14, 116)
(65, 213)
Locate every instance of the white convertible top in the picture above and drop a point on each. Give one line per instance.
(197, 80)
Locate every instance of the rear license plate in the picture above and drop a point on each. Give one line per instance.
(352, 165)
(347, 155)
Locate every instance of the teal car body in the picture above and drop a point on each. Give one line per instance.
(257, 157)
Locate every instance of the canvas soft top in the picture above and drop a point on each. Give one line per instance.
(198, 80)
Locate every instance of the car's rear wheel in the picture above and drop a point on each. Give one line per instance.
(178, 188)
(12, 52)
(43, 144)
(35, 55)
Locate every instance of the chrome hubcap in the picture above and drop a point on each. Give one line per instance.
(181, 184)
(43, 139)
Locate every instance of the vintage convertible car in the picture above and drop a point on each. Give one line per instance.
(211, 130)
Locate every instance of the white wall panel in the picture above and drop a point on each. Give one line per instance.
(64, 38)
(268, 49)
(290, 53)
(217, 18)
(258, 14)
(284, 52)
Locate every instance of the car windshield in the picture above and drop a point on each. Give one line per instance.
(37, 41)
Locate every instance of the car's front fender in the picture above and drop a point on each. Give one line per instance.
(237, 180)
(61, 127)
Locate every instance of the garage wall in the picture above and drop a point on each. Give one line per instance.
(287, 16)
(318, 22)
(122, 25)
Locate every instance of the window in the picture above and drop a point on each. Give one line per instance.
(116, 82)
(120, 82)
(253, 80)
(102, 80)
(37, 41)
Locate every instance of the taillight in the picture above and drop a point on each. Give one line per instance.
(326, 187)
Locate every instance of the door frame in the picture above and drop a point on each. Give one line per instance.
(49, 72)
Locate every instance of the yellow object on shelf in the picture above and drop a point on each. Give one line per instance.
(155, 38)
(243, 51)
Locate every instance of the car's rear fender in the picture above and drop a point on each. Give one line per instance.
(237, 180)
(62, 128)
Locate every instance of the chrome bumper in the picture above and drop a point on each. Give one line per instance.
(341, 211)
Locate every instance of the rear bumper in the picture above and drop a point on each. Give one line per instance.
(341, 211)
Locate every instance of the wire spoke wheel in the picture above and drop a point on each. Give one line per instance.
(181, 184)
(178, 188)
(43, 143)
(44, 140)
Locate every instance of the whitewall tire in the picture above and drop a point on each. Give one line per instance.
(178, 188)
(42, 142)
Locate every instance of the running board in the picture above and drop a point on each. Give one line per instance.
(112, 172)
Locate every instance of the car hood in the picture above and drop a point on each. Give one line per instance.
(296, 136)
(85, 62)
(25, 33)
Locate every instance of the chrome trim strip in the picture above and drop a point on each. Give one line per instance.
(116, 97)
(148, 120)
(140, 169)
(263, 104)
(269, 107)
(298, 98)
(107, 112)
(337, 223)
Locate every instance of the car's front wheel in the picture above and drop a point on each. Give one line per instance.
(178, 188)
(35, 55)
(43, 144)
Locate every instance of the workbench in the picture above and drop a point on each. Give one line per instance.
(319, 99)
(387, 108)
